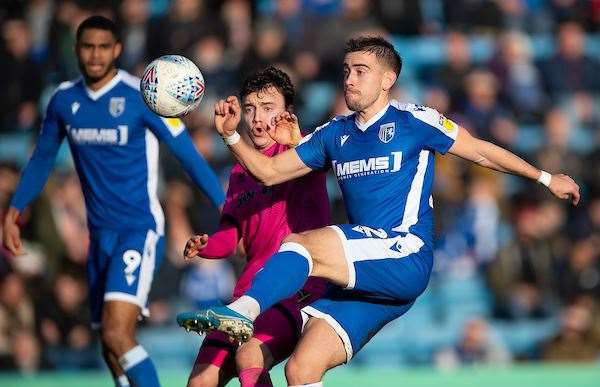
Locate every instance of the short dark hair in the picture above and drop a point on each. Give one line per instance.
(271, 76)
(99, 23)
(381, 48)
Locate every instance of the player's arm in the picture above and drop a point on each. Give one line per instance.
(267, 170)
(34, 176)
(494, 157)
(173, 133)
(222, 244)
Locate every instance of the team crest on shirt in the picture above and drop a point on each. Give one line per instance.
(386, 132)
(116, 106)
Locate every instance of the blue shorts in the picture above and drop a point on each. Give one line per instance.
(121, 266)
(387, 270)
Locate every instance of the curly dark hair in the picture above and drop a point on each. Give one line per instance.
(266, 78)
(97, 22)
(381, 48)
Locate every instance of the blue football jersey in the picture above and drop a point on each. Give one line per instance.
(385, 167)
(113, 138)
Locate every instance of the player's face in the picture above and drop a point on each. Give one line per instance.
(97, 51)
(259, 109)
(363, 80)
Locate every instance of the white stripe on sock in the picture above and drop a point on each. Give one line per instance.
(318, 384)
(133, 357)
(246, 306)
(298, 248)
(122, 381)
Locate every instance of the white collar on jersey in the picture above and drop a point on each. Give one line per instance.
(95, 95)
(373, 119)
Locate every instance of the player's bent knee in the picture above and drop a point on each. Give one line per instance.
(299, 371)
(204, 375)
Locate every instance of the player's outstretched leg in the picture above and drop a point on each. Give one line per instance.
(317, 252)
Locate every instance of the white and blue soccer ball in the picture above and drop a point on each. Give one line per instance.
(172, 86)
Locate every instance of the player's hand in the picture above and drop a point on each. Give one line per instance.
(11, 235)
(227, 115)
(284, 129)
(194, 246)
(563, 187)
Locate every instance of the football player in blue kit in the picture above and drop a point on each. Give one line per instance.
(113, 138)
(383, 158)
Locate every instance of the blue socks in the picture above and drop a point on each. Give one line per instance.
(139, 368)
(283, 275)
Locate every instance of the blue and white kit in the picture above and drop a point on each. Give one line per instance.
(113, 138)
(385, 169)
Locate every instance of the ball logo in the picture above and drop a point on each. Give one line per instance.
(386, 132)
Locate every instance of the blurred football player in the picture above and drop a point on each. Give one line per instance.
(113, 138)
(261, 217)
(383, 158)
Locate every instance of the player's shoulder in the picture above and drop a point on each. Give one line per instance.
(421, 114)
(67, 87)
(130, 80)
(329, 127)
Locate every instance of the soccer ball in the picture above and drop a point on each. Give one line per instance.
(172, 86)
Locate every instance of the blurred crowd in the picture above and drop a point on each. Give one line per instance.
(524, 74)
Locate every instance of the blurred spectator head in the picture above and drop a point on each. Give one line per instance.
(584, 257)
(482, 89)
(438, 99)
(26, 351)
(527, 222)
(134, 12)
(186, 10)
(557, 128)
(69, 292)
(355, 10)
(12, 290)
(208, 53)
(515, 47)
(474, 335)
(237, 14)
(552, 217)
(457, 50)
(575, 321)
(571, 40)
(17, 38)
(269, 41)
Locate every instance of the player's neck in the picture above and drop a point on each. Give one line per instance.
(365, 115)
(97, 85)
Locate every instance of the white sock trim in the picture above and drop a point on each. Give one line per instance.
(318, 384)
(298, 248)
(123, 381)
(133, 357)
(246, 306)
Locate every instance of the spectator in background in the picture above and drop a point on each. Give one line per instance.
(269, 48)
(209, 54)
(520, 82)
(65, 324)
(20, 77)
(572, 343)
(483, 113)
(451, 76)
(570, 69)
(17, 321)
(134, 20)
(581, 272)
(478, 346)
(557, 152)
(39, 17)
(522, 277)
(186, 22)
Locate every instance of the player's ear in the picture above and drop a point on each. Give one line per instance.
(389, 79)
(118, 50)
